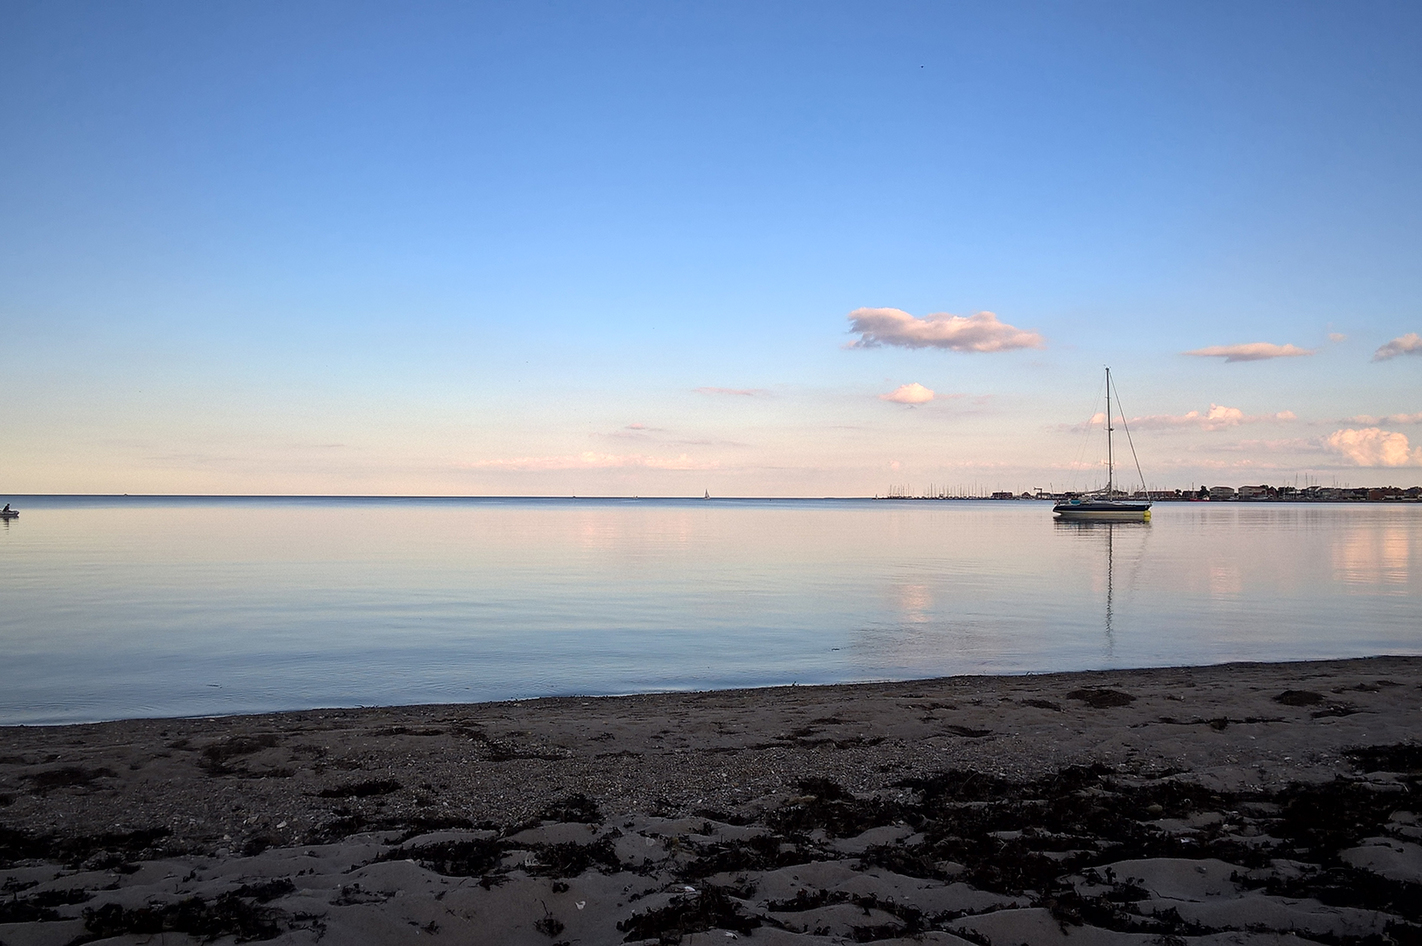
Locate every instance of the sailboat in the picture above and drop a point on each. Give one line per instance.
(708, 495)
(1109, 503)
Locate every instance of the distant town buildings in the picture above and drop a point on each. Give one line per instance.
(1262, 493)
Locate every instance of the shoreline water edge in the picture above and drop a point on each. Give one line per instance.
(1237, 803)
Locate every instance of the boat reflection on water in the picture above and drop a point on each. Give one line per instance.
(1106, 530)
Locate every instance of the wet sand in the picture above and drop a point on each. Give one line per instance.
(1247, 803)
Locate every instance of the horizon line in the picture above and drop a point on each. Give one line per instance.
(396, 496)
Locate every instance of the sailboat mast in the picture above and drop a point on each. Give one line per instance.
(1110, 457)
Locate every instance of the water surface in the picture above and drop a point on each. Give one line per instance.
(122, 607)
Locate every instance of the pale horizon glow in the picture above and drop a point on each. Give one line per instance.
(640, 249)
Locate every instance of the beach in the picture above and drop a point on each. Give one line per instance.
(1239, 803)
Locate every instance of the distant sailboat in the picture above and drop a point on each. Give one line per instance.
(708, 495)
(1105, 504)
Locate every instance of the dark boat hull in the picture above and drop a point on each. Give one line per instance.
(1122, 510)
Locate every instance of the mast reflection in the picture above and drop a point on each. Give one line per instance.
(1106, 530)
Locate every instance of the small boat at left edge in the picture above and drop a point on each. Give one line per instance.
(8, 513)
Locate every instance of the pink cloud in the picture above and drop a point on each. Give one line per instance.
(1218, 417)
(735, 392)
(1251, 351)
(914, 393)
(1409, 344)
(1372, 446)
(974, 333)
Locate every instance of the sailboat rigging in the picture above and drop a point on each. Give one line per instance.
(1106, 504)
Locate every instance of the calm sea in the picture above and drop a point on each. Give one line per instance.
(125, 607)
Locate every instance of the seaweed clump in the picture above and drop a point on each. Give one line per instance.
(711, 907)
(229, 915)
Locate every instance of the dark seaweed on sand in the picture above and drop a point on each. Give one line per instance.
(111, 847)
(1031, 837)
(367, 789)
(577, 808)
(67, 776)
(1403, 757)
(1308, 823)
(229, 915)
(215, 758)
(40, 906)
(483, 857)
(472, 858)
(711, 907)
(1101, 697)
(1299, 698)
(757, 853)
(569, 860)
(824, 805)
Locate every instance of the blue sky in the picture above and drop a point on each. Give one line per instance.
(614, 248)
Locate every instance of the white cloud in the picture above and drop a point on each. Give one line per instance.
(1368, 420)
(1218, 417)
(914, 393)
(1409, 344)
(593, 461)
(1337, 337)
(1252, 351)
(1372, 446)
(735, 392)
(974, 333)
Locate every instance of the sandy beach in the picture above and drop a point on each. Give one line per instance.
(1246, 803)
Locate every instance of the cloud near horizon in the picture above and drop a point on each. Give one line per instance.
(913, 393)
(1218, 417)
(1409, 344)
(1250, 351)
(1368, 420)
(635, 431)
(974, 333)
(1373, 446)
(735, 392)
(592, 461)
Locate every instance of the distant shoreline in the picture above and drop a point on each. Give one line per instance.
(1166, 499)
(1154, 496)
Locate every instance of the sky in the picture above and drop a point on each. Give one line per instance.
(758, 249)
